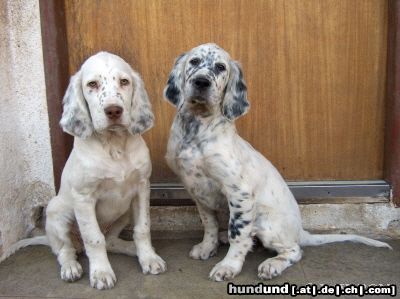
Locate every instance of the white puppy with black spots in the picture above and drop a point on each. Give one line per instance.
(219, 169)
(105, 181)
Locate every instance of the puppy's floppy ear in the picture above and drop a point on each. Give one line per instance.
(173, 91)
(142, 118)
(76, 119)
(235, 101)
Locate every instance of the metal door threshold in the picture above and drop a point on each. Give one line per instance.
(307, 191)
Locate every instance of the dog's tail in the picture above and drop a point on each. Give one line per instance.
(39, 240)
(308, 239)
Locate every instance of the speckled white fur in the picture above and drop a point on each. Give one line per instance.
(105, 181)
(220, 169)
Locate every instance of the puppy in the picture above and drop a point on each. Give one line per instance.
(220, 170)
(106, 178)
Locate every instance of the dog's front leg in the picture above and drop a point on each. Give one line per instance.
(148, 259)
(209, 246)
(241, 218)
(101, 274)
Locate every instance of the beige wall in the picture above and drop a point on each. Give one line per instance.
(26, 176)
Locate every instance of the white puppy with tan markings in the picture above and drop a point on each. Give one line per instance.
(106, 178)
(219, 169)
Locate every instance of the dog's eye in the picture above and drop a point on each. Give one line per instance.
(220, 66)
(93, 84)
(124, 82)
(195, 61)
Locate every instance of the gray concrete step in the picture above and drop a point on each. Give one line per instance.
(33, 272)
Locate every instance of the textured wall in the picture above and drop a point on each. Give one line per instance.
(26, 175)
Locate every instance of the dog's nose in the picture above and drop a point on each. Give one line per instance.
(113, 112)
(202, 83)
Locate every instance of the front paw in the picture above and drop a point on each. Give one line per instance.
(203, 251)
(153, 265)
(102, 278)
(222, 272)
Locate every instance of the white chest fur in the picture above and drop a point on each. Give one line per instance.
(109, 169)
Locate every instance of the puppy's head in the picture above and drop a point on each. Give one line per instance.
(105, 94)
(207, 76)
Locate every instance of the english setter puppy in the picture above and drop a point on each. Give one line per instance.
(106, 178)
(220, 170)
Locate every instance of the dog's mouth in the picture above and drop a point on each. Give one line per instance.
(116, 127)
(200, 106)
(198, 100)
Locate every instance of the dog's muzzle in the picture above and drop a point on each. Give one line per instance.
(201, 88)
(113, 112)
(201, 83)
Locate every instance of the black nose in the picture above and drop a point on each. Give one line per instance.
(202, 83)
(113, 112)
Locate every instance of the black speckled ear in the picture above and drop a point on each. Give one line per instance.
(235, 103)
(142, 117)
(76, 118)
(173, 90)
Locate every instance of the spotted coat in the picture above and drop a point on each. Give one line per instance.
(222, 171)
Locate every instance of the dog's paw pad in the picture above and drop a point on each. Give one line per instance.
(203, 251)
(102, 280)
(71, 271)
(222, 273)
(153, 265)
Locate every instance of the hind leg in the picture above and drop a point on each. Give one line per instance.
(223, 237)
(275, 266)
(58, 219)
(288, 254)
(116, 245)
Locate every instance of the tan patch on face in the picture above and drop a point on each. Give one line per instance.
(200, 109)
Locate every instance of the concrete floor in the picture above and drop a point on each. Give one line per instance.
(33, 272)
